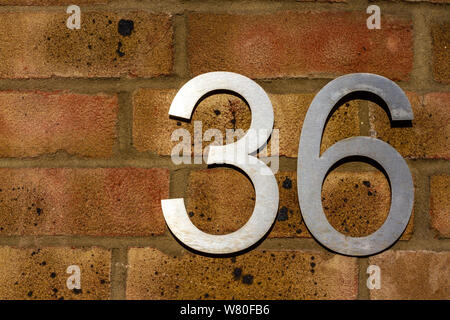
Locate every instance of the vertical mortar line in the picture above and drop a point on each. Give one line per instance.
(119, 262)
(125, 122)
(180, 47)
(422, 229)
(421, 74)
(363, 115)
(178, 182)
(363, 291)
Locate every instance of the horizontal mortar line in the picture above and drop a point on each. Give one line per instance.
(431, 244)
(61, 162)
(206, 6)
(428, 167)
(424, 166)
(309, 243)
(116, 85)
(242, 7)
(167, 242)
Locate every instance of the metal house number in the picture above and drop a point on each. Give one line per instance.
(311, 166)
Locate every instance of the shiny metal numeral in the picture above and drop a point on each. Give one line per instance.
(264, 182)
(313, 167)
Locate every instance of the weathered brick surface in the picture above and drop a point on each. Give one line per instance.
(440, 204)
(96, 202)
(41, 273)
(413, 275)
(40, 45)
(432, 1)
(441, 52)
(49, 2)
(220, 201)
(357, 203)
(299, 44)
(138, 55)
(36, 123)
(429, 135)
(255, 275)
(152, 127)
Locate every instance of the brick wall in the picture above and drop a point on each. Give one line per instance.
(85, 147)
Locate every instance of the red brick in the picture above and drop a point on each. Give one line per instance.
(415, 275)
(95, 202)
(41, 46)
(299, 44)
(152, 127)
(36, 123)
(429, 136)
(254, 275)
(440, 204)
(41, 273)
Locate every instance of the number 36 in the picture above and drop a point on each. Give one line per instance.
(312, 167)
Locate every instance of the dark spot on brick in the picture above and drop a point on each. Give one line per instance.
(356, 186)
(312, 271)
(178, 123)
(237, 272)
(125, 27)
(287, 183)
(366, 183)
(312, 264)
(217, 112)
(233, 259)
(30, 293)
(89, 46)
(369, 193)
(191, 214)
(102, 281)
(298, 231)
(77, 291)
(52, 275)
(39, 211)
(55, 290)
(283, 214)
(206, 295)
(120, 53)
(247, 279)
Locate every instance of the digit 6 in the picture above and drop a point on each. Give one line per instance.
(313, 167)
